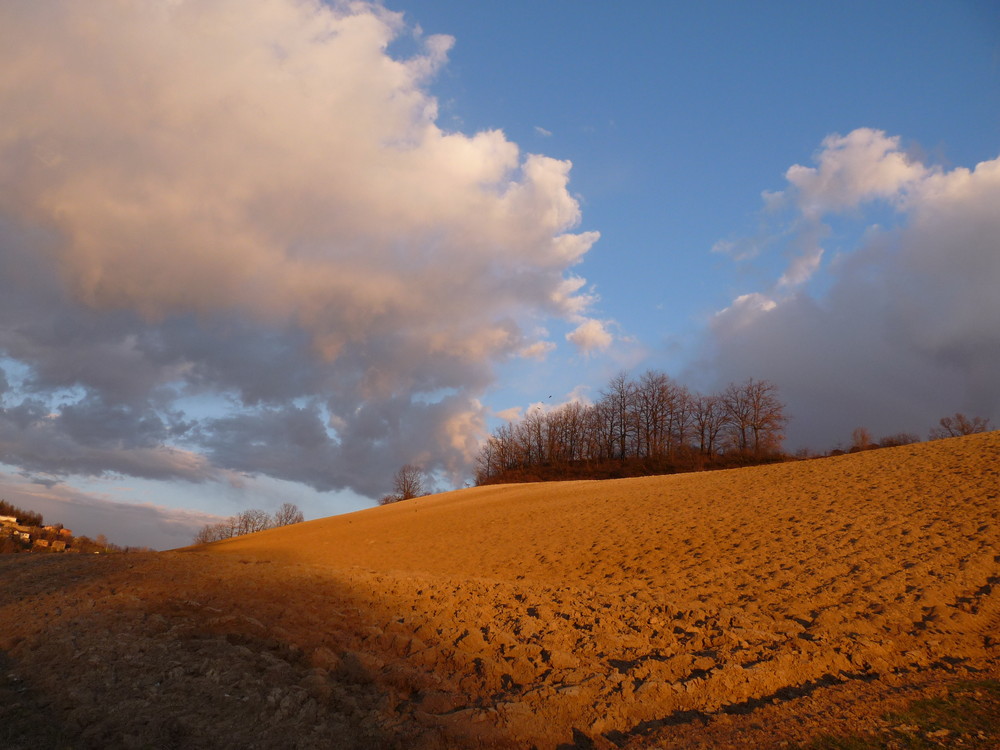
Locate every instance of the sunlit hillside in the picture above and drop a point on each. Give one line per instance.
(740, 608)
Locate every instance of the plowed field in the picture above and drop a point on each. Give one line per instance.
(758, 607)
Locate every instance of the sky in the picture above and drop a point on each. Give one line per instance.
(255, 253)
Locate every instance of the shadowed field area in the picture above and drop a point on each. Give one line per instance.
(751, 607)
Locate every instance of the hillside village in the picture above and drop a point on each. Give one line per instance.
(25, 531)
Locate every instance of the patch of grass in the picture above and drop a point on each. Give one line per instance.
(970, 711)
(968, 716)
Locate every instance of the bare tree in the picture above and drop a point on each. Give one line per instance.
(710, 417)
(531, 437)
(214, 532)
(508, 455)
(861, 439)
(601, 431)
(288, 514)
(247, 522)
(663, 415)
(488, 463)
(738, 415)
(959, 425)
(681, 419)
(408, 482)
(634, 425)
(567, 429)
(503, 452)
(756, 417)
(252, 521)
(619, 401)
(900, 438)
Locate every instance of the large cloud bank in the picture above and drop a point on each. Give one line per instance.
(905, 326)
(234, 239)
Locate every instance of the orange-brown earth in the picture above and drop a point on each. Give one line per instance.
(747, 608)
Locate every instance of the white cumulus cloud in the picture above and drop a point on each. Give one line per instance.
(862, 165)
(256, 201)
(590, 336)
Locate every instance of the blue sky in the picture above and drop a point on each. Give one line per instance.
(678, 116)
(317, 245)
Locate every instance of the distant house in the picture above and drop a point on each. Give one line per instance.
(8, 520)
(65, 532)
(25, 536)
(58, 546)
(41, 542)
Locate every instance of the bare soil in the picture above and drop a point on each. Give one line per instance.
(759, 607)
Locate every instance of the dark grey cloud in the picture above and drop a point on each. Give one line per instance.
(908, 330)
(297, 443)
(82, 439)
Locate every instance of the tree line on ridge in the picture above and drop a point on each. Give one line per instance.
(249, 522)
(638, 426)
